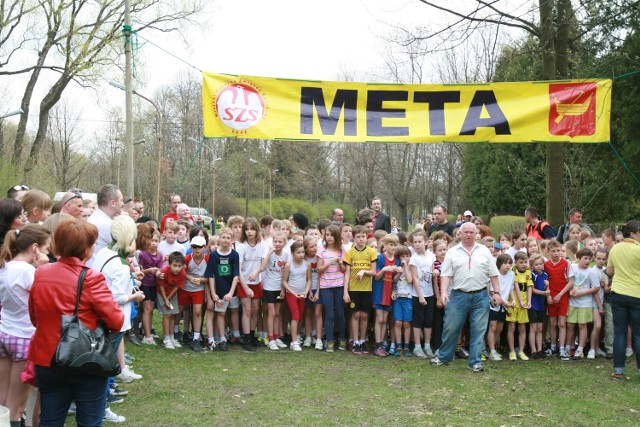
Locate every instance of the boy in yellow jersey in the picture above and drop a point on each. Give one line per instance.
(519, 313)
(360, 263)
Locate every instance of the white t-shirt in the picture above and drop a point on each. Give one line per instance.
(314, 272)
(272, 279)
(16, 279)
(119, 280)
(512, 251)
(506, 285)
(197, 270)
(583, 279)
(298, 276)
(424, 266)
(166, 249)
(250, 260)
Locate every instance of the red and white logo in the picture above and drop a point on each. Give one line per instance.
(240, 105)
(572, 109)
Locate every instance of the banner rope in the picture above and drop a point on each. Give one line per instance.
(624, 164)
(186, 172)
(170, 54)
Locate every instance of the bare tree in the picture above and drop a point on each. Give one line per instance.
(67, 163)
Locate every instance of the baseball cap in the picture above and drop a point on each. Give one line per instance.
(198, 241)
(467, 213)
(498, 246)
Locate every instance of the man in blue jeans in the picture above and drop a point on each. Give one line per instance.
(467, 268)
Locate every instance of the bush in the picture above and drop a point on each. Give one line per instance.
(506, 223)
(282, 207)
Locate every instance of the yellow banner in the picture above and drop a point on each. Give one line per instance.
(271, 108)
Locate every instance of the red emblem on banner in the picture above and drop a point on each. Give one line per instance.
(573, 109)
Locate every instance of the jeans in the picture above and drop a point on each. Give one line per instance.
(58, 389)
(462, 306)
(625, 310)
(116, 339)
(333, 310)
(608, 327)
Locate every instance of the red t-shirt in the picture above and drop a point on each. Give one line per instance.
(387, 282)
(169, 217)
(558, 275)
(171, 280)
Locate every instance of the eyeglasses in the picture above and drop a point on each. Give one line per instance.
(75, 196)
(196, 247)
(20, 188)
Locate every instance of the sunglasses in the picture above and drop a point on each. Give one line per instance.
(196, 247)
(76, 196)
(20, 188)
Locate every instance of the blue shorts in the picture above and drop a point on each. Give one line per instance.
(403, 310)
(386, 308)
(309, 303)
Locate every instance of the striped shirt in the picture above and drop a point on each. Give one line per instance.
(332, 277)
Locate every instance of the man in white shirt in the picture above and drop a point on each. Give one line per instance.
(109, 205)
(467, 268)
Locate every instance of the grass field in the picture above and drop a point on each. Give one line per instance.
(312, 388)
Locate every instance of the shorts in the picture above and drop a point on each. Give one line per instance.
(271, 297)
(234, 303)
(580, 315)
(221, 306)
(403, 310)
(186, 297)
(360, 301)
(14, 347)
(559, 309)
(309, 303)
(256, 288)
(518, 315)
(296, 306)
(497, 316)
(536, 316)
(423, 314)
(150, 293)
(174, 302)
(387, 308)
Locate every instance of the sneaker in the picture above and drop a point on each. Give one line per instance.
(437, 362)
(129, 358)
(247, 345)
(564, 356)
(548, 352)
(169, 345)
(477, 367)
(187, 338)
(494, 355)
(428, 352)
(460, 354)
(213, 346)
(114, 399)
(483, 358)
(319, 345)
(295, 346)
(392, 351)
(177, 336)
(124, 377)
(72, 408)
(380, 352)
(591, 355)
(357, 349)
(629, 352)
(419, 352)
(154, 335)
(129, 370)
(364, 348)
(133, 339)
(600, 353)
(342, 345)
(111, 417)
(522, 356)
(512, 356)
(115, 391)
(223, 346)
(280, 343)
(195, 346)
(408, 352)
(176, 344)
(148, 341)
(273, 346)
(329, 347)
(233, 339)
(307, 342)
(465, 353)
(578, 355)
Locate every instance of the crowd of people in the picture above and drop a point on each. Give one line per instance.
(442, 291)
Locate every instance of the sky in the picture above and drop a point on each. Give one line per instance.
(276, 38)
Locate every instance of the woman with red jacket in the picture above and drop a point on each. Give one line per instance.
(54, 294)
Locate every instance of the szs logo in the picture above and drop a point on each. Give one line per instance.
(572, 109)
(240, 105)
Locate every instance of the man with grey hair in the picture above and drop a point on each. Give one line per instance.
(467, 268)
(109, 205)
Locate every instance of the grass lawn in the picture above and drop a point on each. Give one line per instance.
(182, 388)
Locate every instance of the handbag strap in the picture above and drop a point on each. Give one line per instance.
(80, 283)
(107, 261)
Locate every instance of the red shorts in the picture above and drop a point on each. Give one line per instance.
(186, 298)
(559, 309)
(257, 291)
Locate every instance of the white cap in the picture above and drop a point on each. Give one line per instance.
(467, 213)
(198, 241)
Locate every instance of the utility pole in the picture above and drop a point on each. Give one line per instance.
(128, 81)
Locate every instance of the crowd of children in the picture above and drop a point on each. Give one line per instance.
(336, 286)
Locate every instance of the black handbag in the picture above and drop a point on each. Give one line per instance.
(83, 351)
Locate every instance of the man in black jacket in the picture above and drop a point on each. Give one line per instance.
(381, 221)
